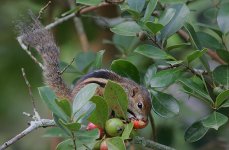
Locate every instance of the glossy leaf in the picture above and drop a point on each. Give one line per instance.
(221, 98)
(221, 74)
(154, 27)
(166, 16)
(100, 114)
(128, 129)
(215, 120)
(87, 138)
(225, 104)
(84, 60)
(176, 22)
(125, 69)
(136, 5)
(59, 123)
(195, 132)
(164, 104)
(165, 77)
(178, 46)
(195, 90)
(99, 59)
(223, 54)
(116, 98)
(151, 71)
(208, 41)
(195, 55)
(72, 126)
(152, 52)
(197, 44)
(65, 145)
(222, 18)
(89, 2)
(128, 28)
(115, 143)
(65, 106)
(81, 100)
(149, 9)
(48, 97)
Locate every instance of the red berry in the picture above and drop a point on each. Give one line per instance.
(103, 145)
(92, 126)
(139, 124)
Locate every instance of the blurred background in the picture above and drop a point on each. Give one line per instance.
(14, 95)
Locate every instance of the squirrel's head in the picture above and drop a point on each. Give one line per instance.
(139, 105)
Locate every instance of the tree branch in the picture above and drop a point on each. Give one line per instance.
(79, 28)
(150, 144)
(33, 126)
(210, 52)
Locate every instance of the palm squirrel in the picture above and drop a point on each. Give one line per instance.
(36, 36)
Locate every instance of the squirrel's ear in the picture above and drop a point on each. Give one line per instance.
(134, 91)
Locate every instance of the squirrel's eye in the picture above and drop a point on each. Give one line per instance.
(140, 105)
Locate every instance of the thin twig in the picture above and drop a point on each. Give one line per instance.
(43, 9)
(79, 28)
(36, 115)
(26, 49)
(150, 144)
(66, 67)
(70, 16)
(33, 126)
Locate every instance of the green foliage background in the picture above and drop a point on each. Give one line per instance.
(14, 93)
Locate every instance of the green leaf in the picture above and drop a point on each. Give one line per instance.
(225, 104)
(173, 63)
(221, 98)
(116, 98)
(195, 90)
(65, 106)
(223, 54)
(197, 44)
(84, 60)
(221, 74)
(222, 18)
(195, 132)
(81, 102)
(59, 123)
(149, 9)
(215, 120)
(128, 129)
(154, 27)
(87, 138)
(70, 69)
(136, 5)
(115, 143)
(128, 28)
(166, 16)
(176, 22)
(151, 71)
(48, 97)
(165, 77)
(164, 104)
(99, 59)
(208, 41)
(54, 132)
(74, 126)
(100, 115)
(65, 145)
(125, 69)
(152, 52)
(178, 46)
(125, 43)
(89, 2)
(196, 54)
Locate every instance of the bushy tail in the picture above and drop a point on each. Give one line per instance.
(36, 36)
